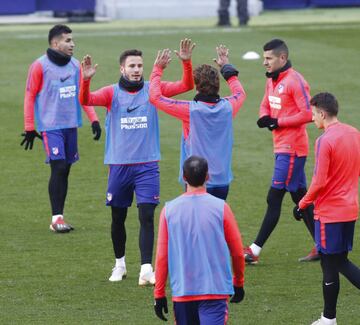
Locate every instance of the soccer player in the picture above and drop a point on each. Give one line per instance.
(197, 235)
(132, 149)
(51, 96)
(334, 191)
(284, 110)
(207, 120)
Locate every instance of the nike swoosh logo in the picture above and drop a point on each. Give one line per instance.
(130, 109)
(329, 283)
(277, 183)
(65, 78)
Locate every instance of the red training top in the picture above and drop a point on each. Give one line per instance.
(34, 84)
(232, 237)
(288, 100)
(335, 183)
(181, 108)
(103, 96)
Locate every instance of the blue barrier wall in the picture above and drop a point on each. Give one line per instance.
(298, 4)
(20, 7)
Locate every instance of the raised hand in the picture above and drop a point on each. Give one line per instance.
(163, 58)
(186, 48)
(88, 70)
(222, 55)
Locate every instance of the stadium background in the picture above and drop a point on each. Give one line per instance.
(62, 279)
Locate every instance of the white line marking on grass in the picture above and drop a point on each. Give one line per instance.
(187, 31)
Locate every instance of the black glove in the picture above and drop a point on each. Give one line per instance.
(264, 121)
(29, 137)
(273, 124)
(160, 305)
(298, 213)
(267, 122)
(228, 71)
(96, 129)
(238, 296)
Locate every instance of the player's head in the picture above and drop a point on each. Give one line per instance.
(276, 54)
(195, 171)
(206, 79)
(324, 107)
(132, 65)
(60, 39)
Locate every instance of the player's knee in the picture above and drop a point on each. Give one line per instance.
(59, 167)
(275, 196)
(146, 214)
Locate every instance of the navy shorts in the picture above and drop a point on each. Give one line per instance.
(61, 145)
(123, 180)
(334, 238)
(209, 312)
(220, 192)
(289, 172)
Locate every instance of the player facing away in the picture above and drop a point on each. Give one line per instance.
(207, 120)
(132, 149)
(51, 98)
(198, 236)
(334, 191)
(284, 110)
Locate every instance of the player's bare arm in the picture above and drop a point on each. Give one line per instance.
(222, 55)
(185, 49)
(88, 70)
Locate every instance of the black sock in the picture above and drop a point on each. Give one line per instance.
(146, 235)
(308, 217)
(58, 185)
(118, 231)
(331, 283)
(349, 270)
(271, 218)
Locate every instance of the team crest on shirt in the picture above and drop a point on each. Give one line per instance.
(55, 150)
(109, 196)
(281, 88)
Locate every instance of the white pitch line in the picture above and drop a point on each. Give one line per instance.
(195, 30)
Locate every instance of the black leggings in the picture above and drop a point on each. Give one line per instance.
(272, 215)
(332, 265)
(146, 235)
(58, 185)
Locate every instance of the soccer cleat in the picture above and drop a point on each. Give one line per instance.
(60, 226)
(250, 258)
(147, 275)
(311, 257)
(324, 321)
(118, 273)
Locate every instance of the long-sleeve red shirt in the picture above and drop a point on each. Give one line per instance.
(181, 108)
(288, 100)
(234, 242)
(34, 84)
(103, 96)
(335, 183)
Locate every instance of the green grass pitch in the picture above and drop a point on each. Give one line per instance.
(47, 278)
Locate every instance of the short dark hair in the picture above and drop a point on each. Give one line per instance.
(278, 46)
(58, 30)
(206, 79)
(195, 169)
(125, 54)
(326, 102)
